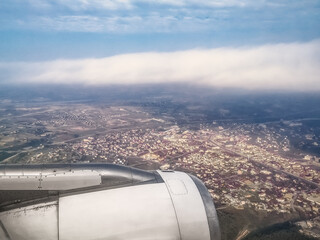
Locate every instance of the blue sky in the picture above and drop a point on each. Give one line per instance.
(255, 44)
(51, 29)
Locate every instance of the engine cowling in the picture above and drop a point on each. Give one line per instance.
(103, 201)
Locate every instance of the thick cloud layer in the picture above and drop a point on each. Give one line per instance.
(294, 66)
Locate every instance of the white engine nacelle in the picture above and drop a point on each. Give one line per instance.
(103, 201)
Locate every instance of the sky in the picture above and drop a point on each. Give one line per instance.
(253, 44)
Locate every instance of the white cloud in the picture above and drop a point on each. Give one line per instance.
(294, 66)
(96, 4)
(117, 24)
(212, 3)
(158, 16)
(79, 5)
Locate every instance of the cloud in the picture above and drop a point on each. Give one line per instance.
(221, 17)
(154, 22)
(293, 66)
(96, 4)
(80, 5)
(210, 3)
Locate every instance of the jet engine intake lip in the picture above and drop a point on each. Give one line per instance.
(211, 212)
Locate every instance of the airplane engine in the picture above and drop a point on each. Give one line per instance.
(103, 201)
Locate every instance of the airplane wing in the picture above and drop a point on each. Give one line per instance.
(103, 201)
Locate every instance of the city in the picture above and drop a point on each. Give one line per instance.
(245, 166)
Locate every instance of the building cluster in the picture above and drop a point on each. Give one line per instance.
(237, 172)
(245, 166)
